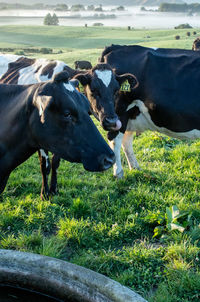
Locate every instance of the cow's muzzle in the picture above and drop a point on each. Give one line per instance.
(113, 124)
(106, 162)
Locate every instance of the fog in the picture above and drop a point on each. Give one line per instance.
(132, 16)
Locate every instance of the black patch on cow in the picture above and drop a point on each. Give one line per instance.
(108, 49)
(130, 114)
(49, 69)
(101, 66)
(12, 74)
(112, 134)
(62, 76)
(133, 112)
(196, 44)
(2, 150)
(38, 69)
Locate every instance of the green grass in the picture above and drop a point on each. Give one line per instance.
(100, 222)
(82, 42)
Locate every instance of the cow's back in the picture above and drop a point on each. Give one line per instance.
(22, 70)
(168, 83)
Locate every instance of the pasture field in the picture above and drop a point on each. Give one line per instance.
(121, 228)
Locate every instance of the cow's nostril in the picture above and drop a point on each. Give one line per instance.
(112, 124)
(111, 121)
(107, 162)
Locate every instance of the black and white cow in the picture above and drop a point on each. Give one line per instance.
(52, 116)
(99, 84)
(166, 100)
(196, 44)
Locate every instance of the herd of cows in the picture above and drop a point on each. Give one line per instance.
(45, 106)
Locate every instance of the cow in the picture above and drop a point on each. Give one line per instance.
(54, 116)
(100, 84)
(166, 99)
(196, 44)
(82, 65)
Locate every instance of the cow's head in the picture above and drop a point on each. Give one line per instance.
(61, 124)
(196, 44)
(101, 86)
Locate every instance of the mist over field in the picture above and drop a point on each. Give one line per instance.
(131, 16)
(105, 2)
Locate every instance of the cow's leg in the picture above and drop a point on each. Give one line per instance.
(115, 144)
(54, 166)
(3, 182)
(127, 145)
(45, 170)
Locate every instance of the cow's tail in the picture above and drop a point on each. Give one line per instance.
(106, 50)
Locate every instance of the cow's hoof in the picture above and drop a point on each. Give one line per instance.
(44, 195)
(120, 174)
(137, 168)
(53, 192)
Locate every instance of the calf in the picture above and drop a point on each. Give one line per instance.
(99, 84)
(166, 99)
(52, 116)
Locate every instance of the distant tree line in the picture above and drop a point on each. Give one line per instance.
(56, 7)
(173, 7)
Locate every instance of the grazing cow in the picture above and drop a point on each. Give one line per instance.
(196, 44)
(166, 99)
(52, 116)
(82, 65)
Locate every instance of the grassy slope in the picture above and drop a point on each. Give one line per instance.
(96, 221)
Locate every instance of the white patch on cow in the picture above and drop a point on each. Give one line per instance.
(40, 109)
(69, 87)
(116, 147)
(130, 106)
(105, 76)
(144, 122)
(59, 67)
(43, 154)
(155, 48)
(28, 75)
(127, 145)
(5, 59)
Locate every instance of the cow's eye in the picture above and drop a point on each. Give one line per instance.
(95, 93)
(67, 116)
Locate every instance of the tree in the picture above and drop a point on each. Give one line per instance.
(51, 20)
(54, 20)
(47, 19)
(90, 7)
(121, 8)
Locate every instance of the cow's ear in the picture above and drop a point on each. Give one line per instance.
(42, 102)
(127, 81)
(62, 76)
(75, 83)
(84, 79)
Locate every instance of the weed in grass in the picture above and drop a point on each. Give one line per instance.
(80, 208)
